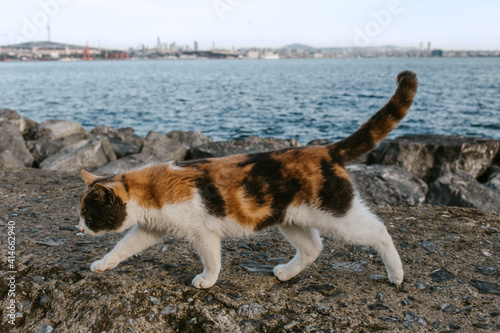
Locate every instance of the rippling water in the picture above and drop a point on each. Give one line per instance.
(305, 99)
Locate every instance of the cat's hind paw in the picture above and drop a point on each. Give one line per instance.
(397, 278)
(100, 266)
(201, 282)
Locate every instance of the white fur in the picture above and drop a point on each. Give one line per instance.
(189, 220)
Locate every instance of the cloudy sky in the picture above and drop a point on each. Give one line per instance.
(458, 24)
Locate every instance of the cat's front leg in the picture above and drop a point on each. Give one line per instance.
(136, 240)
(208, 246)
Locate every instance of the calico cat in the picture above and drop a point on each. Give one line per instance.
(303, 191)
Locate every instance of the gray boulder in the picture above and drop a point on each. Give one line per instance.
(494, 182)
(389, 185)
(10, 161)
(123, 141)
(87, 154)
(431, 156)
(189, 139)
(11, 139)
(129, 163)
(123, 148)
(251, 144)
(43, 148)
(59, 129)
(130, 136)
(163, 148)
(460, 189)
(14, 119)
(319, 142)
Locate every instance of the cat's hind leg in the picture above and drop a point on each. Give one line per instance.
(208, 246)
(362, 227)
(307, 242)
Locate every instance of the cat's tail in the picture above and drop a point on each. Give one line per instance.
(380, 124)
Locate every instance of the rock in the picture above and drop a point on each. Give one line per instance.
(252, 266)
(31, 129)
(45, 328)
(11, 117)
(87, 155)
(440, 275)
(486, 287)
(411, 319)
(388, 185)
(431, 156)
(462, 190)
(429, 246)
(357, 266)
(377, 306)
(494, 181)
(162, 147)
(124, 141)
(488, 327)
(388, 319)
(251, 310)
(319, 142)
(50, 241)
(323, 309)
(130, 136)
(189, 139)
(486, 270)
(109, 132)
(43, 148)
(168, 310)
(11, 139)
(128, 163)
(59, 129)
(251, 144)
(123, 148)
(10, 161)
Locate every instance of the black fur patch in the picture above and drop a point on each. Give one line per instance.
(266, 173)
(192, 163)
(211, 196)
(337, 193)
(103, 210)
(124, 183)
(102, 180)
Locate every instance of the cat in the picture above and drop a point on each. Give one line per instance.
(303, 191)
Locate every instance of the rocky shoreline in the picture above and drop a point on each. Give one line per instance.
(433, 169)
(449, 254)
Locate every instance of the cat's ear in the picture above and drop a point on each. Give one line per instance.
(89, 178)
(104, 191)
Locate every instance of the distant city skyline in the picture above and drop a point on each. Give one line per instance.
(448, 25)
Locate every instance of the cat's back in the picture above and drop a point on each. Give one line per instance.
(256, 189)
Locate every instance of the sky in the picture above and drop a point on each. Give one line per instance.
(448, 25)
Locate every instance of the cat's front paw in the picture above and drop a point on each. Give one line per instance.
(101, 266)
(202, 282)
(283, 273)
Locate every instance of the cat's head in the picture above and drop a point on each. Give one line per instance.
(102, 208)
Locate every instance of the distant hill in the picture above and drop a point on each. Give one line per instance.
(297, 46)
(309, 48)
(46, 45)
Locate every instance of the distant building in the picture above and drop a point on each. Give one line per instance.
(195, 46)
(271, 56)
(318, 55)
(428, 46)
(253, 55)
(437, 53)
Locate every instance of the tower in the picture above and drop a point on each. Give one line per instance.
(48, 30)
